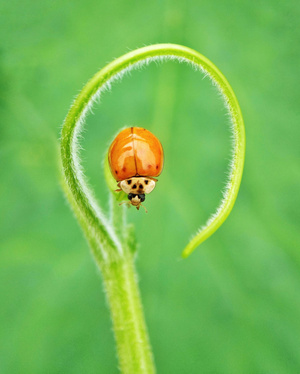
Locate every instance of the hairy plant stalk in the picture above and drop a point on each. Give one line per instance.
(122, 292)
(121, 285)
(127, 315)
(111, 239)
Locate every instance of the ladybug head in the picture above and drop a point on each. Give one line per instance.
(136, 188)
(136, 200)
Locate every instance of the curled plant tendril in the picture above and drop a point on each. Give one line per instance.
(111, 239)
(97, 225)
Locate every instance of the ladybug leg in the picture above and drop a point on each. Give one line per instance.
(143, 207)
(118, 190)
(125, 202)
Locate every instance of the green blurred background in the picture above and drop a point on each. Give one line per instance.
(233, 306)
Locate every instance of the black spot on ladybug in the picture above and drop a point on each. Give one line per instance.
(134, 187)
(156, 167)
(116, 171)
(141, 186)
(123, 168)
(146, 181)
(129, 181)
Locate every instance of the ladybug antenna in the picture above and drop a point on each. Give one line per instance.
(138, 207)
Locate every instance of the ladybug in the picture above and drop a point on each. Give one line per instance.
(135, 158)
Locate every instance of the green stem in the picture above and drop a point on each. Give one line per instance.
(127, 315)
(112, 242)
(117, 217)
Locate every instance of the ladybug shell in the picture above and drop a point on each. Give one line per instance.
(135, 152)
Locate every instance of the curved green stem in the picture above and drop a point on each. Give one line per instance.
(111, 240)
(164, 51)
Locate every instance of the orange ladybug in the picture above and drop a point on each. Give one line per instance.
(135, 157)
